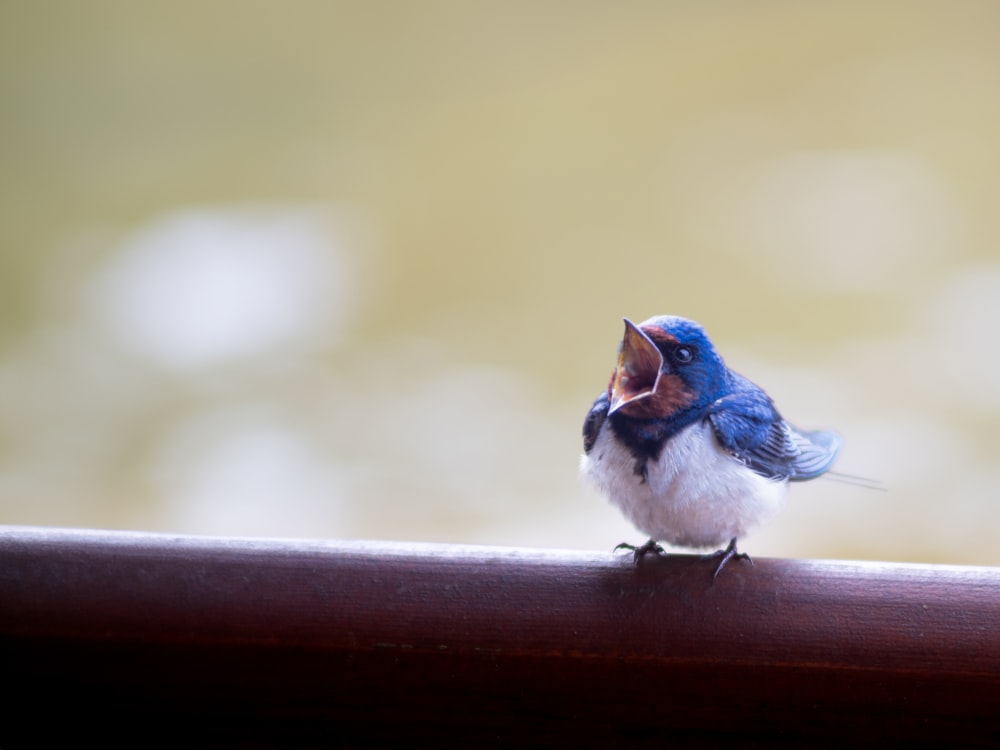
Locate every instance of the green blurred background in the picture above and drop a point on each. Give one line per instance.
(357, 269)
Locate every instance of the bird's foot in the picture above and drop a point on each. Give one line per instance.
(642, 550)
(727, 554)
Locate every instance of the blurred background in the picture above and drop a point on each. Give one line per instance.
(358, 269)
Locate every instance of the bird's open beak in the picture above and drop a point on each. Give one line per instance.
(638, 371)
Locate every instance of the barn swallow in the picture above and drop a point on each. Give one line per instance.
(692, 453)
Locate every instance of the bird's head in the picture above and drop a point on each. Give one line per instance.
(665, 365)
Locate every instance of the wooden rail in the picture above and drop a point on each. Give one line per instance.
(142, 639)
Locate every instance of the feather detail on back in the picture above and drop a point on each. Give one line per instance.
(747, 425)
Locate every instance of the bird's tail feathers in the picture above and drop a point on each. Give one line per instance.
(863, 482)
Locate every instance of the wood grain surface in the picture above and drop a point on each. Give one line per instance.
(274, 643)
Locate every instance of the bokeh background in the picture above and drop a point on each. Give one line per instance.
(357, 269)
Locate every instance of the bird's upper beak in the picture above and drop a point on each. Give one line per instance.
(638, 371)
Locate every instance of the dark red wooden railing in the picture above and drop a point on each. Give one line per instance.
(140, 639)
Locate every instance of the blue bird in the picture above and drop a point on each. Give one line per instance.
(692, 453)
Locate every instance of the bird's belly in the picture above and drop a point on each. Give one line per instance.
(693, 495)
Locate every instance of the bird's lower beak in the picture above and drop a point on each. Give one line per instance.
(638, 370)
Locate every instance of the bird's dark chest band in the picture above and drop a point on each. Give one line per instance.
(644, 438)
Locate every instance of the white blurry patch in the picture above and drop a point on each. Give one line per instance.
(85, 423)
(855, 220)
(912, 451)
(954, 349)
(241, 472)
(467, 440)
(201, 288)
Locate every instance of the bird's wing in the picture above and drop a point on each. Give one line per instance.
(748, 426)
(595, 418)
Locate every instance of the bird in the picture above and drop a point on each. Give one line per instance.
(691, 452)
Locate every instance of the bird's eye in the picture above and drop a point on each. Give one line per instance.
(683, 354)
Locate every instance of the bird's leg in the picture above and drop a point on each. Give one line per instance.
(727, 554)
(642, 550)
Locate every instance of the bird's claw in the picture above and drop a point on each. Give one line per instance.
(727, 554)
(642, 550)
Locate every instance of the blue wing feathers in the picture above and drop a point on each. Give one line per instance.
(748, 426)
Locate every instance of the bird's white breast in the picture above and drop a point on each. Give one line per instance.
(693, 495)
